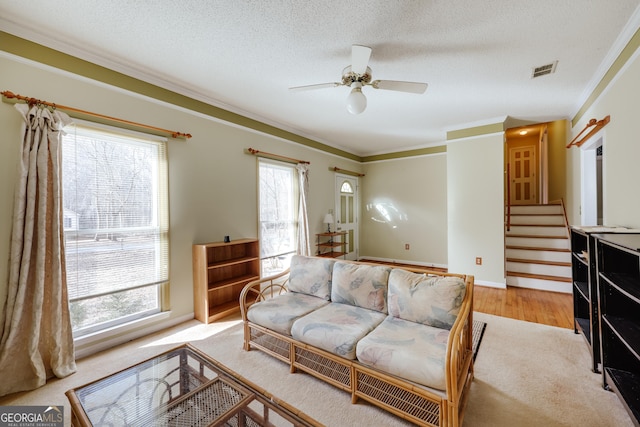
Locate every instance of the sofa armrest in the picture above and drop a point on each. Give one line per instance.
(459, 360)
(262, 289)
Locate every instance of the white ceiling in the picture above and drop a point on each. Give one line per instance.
(243, 55)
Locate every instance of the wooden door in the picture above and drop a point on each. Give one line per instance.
(347, 212)
(523, 175)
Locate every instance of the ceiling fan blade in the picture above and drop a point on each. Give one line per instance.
(410, 87)
(360, 58)
(312, 87)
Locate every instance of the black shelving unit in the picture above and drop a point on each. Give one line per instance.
(581, 294)
(585, 290)
(618, 266)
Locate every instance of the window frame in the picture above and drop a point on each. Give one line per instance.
(160, 227)
(280, 256)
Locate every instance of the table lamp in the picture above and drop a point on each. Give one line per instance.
(328, 219)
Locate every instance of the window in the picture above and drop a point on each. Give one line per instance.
(346, 187)
(115, 226)
(278, 215)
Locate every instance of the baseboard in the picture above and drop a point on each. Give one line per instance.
(490, 284)
(91, 344)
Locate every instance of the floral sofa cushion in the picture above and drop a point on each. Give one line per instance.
(433, 301)
(408, 350)
(279, 313)
(311, 276)
(336, 328)
(360, 285)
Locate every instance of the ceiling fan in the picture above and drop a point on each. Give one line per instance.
(357, 75)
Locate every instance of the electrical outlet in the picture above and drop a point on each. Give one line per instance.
(406, 246)
(478, 260)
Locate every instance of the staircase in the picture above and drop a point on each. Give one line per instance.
(538, 249)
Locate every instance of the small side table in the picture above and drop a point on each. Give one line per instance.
(331, 244)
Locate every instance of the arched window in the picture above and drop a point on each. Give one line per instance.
(346, 187)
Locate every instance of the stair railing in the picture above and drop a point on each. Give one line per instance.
(566, 220)
(508, 197)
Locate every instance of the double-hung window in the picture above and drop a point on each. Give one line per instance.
(115, 225)
(278, 194)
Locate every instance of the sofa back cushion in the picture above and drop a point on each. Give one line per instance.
(360, 285)
(311, 276)
(430, 300)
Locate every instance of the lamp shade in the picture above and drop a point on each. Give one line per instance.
(328, 219)
(356, 101)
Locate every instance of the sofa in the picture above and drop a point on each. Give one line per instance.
(400, 338)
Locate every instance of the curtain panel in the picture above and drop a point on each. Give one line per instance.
(304, 246)
(36, 337)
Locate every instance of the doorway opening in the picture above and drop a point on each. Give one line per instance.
(592, 194)
(527, 165)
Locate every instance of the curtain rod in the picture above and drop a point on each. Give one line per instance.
(274, 156)
(33, 101)
(599, 124)
(347, 172)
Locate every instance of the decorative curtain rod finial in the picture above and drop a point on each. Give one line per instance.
(8, 94)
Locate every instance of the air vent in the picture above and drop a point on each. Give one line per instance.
(543, 70)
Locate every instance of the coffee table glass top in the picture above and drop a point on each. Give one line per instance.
(181, 387)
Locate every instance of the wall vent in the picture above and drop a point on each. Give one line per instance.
(543, 70)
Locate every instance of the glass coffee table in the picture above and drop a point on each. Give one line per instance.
(181, 387)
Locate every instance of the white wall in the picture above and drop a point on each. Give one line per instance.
(475, 192)
(212, 182)
(414, 193)
(620, 100)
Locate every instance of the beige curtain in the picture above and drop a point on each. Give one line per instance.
(37, 341)
(304, 246)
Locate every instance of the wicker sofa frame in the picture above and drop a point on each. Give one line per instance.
(418, 404)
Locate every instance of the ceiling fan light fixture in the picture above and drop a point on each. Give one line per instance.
(356, 101)
(357, 75)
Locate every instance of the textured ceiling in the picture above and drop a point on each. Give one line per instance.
(243, 55)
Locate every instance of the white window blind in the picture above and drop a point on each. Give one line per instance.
(115, 226)
(278, 214)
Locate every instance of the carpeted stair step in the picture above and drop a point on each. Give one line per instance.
(538, 253)
(539, 267)
(542, 262)
(535, 236)
(533, 248)
(534, 230)
(549, 242)
(539, 276)
(542, 282)
(538, 219)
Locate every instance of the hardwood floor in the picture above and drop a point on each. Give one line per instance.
(549, 308)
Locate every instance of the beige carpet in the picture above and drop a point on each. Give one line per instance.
(526, 375)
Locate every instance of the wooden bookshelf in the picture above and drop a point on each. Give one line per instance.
(220, 271)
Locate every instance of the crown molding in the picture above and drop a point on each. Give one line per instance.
(33, 46)
(623, 49)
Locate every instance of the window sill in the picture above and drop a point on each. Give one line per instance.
(87, 345)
